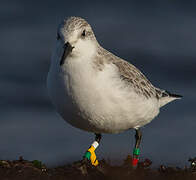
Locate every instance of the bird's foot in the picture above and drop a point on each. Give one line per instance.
(89, 162)
(83, 166)
(86, 168)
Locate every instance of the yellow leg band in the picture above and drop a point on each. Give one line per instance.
(93, 157)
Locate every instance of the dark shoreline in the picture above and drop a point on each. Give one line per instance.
(32, 170)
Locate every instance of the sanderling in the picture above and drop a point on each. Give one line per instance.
(96, 91)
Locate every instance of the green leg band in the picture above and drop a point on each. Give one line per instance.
(87, 155)
(136, 151)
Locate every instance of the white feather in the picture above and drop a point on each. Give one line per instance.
(165, 100)
(105, 103)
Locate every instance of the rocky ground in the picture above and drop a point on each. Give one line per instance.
(34, 170)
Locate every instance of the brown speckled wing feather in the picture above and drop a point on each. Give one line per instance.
(132, 75)
(128, 73)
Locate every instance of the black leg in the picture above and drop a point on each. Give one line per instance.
(136, 151)
(138, 137)
(98, 137)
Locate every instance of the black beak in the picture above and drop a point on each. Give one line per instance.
(67, 50)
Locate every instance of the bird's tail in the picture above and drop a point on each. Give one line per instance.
(167, 97)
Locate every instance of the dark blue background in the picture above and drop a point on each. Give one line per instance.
(159, 37)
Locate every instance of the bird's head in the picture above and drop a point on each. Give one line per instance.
(77, 38)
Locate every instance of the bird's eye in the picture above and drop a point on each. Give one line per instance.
(58, 36)
(84, 33)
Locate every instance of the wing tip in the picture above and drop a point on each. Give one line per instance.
(174, 95)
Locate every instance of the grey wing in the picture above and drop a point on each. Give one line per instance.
(135, 78)
(141, 84)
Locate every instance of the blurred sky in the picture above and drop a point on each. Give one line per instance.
(156, 36)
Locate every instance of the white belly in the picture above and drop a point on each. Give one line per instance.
(97, 101)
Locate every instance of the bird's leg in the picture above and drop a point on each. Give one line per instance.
(136, 151)
(90, 153)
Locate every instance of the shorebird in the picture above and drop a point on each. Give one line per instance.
(96, 91)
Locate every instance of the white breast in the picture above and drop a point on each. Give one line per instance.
(97, 101)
